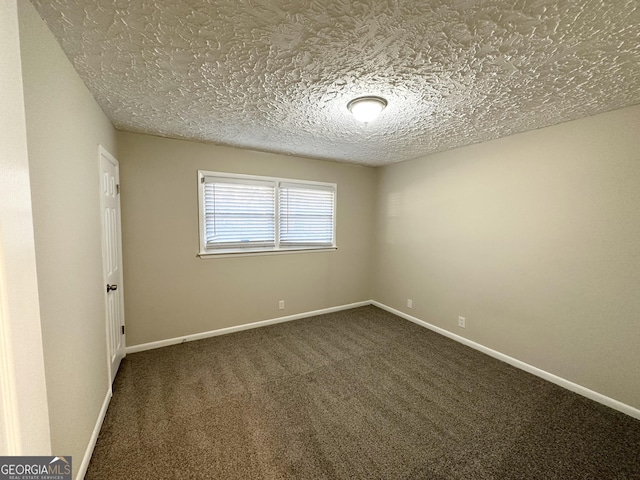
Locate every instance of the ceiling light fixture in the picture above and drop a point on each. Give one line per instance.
(366, 109)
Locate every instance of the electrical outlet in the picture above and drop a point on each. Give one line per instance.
(409, 303)
(462, 322)
(281, 304)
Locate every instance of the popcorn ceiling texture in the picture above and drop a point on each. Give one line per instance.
(276, 75)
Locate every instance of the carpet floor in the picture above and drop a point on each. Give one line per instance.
(357, 394)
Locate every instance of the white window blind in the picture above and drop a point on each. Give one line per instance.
(306, 214)
(243, 213)
(239, 214)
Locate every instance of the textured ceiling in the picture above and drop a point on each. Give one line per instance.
(276, 75)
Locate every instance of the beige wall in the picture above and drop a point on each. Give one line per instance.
(64, 128)
(169, 292)
(534, 238)
(24, 413)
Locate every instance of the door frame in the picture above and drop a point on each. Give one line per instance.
(102, 152)
(24, 407)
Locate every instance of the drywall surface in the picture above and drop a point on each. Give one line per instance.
(534, 239)
(170, 292)
(24, 414)
(64, 128)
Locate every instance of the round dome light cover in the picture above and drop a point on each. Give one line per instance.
(366, 109)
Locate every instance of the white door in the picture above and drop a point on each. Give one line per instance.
(112, 258)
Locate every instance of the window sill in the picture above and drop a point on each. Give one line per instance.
(256, 252)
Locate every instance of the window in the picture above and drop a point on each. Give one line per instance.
(248, 214)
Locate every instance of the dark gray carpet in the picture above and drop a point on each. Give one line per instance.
(354, 394)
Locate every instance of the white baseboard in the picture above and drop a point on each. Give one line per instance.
(574, 387)
(82, 471)
(223, 331)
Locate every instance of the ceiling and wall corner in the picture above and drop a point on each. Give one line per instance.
(276, 75)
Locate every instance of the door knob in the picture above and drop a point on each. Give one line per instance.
(111, 287)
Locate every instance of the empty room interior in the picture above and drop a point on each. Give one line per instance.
(340, 239)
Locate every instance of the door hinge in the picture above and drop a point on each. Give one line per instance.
(122, 329)
(118, 188)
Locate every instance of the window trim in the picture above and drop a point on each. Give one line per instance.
(252, 251)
